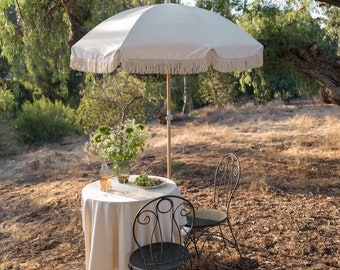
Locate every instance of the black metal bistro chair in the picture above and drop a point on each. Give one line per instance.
(209, 224)
(163, 219)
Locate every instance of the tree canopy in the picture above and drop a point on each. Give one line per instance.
(300, 37)
(294, 39)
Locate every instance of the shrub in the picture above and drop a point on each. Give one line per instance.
(109, 99)
(44, 121)
(8, 143)
(8, 107)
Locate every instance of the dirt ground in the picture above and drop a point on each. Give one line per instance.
(285, 213)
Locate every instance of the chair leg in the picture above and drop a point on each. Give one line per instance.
(194, 238)
(235, 244)
(205, 235)
(232, 242)
(190, 261)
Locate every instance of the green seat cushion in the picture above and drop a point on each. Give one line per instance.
(209, 217)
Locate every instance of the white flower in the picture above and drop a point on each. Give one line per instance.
(118, 144)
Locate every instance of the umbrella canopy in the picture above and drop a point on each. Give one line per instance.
(166, 39)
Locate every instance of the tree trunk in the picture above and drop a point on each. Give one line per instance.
(188, 104)
(77, 15)
(329, 2)
(323, 66)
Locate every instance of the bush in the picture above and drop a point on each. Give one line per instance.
(8, 142)
(109, 99)
(8, 108)
(44, 121)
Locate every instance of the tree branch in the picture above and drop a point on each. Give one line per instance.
(329, 2)
(323, 66)
(20, 12)
(77, 19)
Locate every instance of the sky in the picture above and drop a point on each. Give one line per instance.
(280, 2)
(188, 2)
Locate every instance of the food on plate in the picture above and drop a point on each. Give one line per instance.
(144, 180)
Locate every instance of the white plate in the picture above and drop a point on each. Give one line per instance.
(163, 182)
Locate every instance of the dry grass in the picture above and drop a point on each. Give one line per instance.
(285, 213)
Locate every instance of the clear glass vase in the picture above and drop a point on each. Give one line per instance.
(121, 170)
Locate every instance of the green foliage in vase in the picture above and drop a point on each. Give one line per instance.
(120, 144)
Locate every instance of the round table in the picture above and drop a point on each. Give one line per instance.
(107, 219)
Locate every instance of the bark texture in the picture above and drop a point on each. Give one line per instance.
(77, 15)
(330, 2)
(323, 66)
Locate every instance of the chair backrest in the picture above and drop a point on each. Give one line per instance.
(162, 220)
(227, 177)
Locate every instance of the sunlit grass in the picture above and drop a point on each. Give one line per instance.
(298, 137)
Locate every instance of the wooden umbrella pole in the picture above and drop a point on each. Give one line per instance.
(168, 120)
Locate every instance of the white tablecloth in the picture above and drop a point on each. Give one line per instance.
(107, 221)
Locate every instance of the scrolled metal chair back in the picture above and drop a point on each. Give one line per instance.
(163, 219)
(226, 180)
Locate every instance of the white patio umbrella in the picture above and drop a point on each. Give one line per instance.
(166, 39)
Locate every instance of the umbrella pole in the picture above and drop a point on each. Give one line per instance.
(168, 121)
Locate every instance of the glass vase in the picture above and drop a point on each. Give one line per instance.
(121, 170)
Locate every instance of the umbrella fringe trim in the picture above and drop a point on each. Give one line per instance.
(237, 64)
(166, 66)
(93, 65)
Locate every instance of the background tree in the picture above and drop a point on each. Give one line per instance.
(222, 7)
(8, 109)
(218, 89)
(110, 99)
(301, 40)
(34, 43)
(293, 39)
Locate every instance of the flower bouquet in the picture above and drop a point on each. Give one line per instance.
(119, 145)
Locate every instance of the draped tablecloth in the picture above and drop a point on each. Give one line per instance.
(108, 217)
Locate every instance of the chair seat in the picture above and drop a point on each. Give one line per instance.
(165, 256)
(208, 217)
